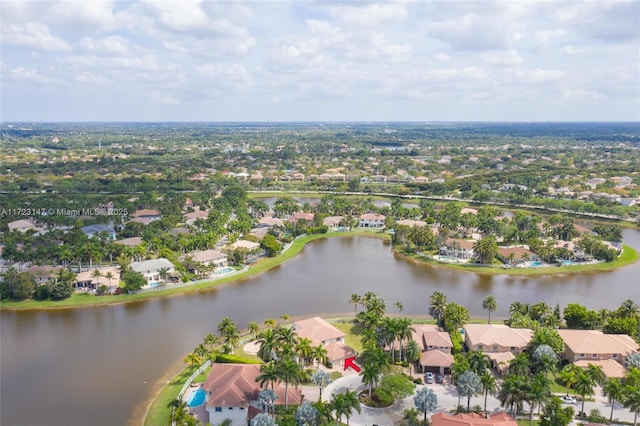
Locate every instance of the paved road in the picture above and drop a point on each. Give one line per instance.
(447, 400)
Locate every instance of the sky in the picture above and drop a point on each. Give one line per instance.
(195, 60)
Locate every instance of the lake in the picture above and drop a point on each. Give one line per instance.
(99, 365)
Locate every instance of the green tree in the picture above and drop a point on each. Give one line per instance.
(399, 386)
(133, 280)
(490, 305)
(489, 386)
(306, 414)
(614, 390)
(468, 385)
(343, 404)
(425, 400)
(486, 249)
(438, 306)
(270, 245)
(321, 379)
(556, 415)
(356, 300)
(289, 372)
(455, 317)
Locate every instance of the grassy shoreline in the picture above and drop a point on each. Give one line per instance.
(84, 300)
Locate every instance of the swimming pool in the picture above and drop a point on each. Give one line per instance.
(196, 398)
(567, 262)
(534, 264)
(224, 271)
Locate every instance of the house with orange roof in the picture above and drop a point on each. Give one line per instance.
(332, 222)
(498, 341)
(460, 249)
(593, 345)
(320, 332)
(610, 367)
(231, 392)
(304, 216)
(473, 419)
(514, 255)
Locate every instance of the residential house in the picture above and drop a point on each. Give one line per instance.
(145, 216)
(130, 242)
(42, 274)
(91, 230)
(472, 419)
(514, 255)
(190, 218)
(209, 259)
(87, 280)
(411, 223)
(499, 342)
(320, 332)
(371, 220)
(251, 250)
(304, 216)
(152, 269)
(460, 249)
(23, 225)
(435, 345)
(610, 367)
(231, 392)
(268, 222)
(332, 222)
(593, 345)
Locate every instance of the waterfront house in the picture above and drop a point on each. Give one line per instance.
(371, 220)
(153, 269)
(42, 274)
(332, 222)
(460, 249)
(320, 332)
(269, 222)
(207, 260)
(515, 255)
(231, 392)
(593, 345)
(411, 223)
(499, 342)
(88, 280)
(302, 216)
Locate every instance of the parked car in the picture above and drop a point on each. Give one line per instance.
(567, 399)
(428, 378)
(439, 378)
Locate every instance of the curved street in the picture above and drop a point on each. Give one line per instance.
(447, 400)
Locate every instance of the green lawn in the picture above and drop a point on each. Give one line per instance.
(351, 330)
(159, 412)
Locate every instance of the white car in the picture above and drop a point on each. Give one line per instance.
(568, 399)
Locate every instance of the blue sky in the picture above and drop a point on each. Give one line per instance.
(195, 60)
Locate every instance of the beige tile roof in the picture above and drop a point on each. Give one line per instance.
(463, 244)
(411, 223)
(438, 338)
(317, 329)
(489, 335)
(595, 342)
(332, 220)
(271, 221)
(338, 351)
(610, 367)
(249, 245)
(206, 255)
(130, 242)
(472, 419)
(420, 330)
(436, 358)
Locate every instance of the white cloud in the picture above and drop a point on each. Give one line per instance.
(33, 35)
(507, 57)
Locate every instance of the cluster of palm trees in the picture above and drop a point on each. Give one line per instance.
(227, 339)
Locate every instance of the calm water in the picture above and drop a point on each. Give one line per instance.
(98, 365)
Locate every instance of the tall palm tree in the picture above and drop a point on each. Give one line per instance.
(269, 345)
(343, 404)
(289, 372)
(405, 331)
(613, 389)
(632, 401)
(568, 376)
(584, 387)
(437, 306)
(304, 350)
(286, 336)
(253, 329)
(97, 275)
(192, 359)
(511, 393)
(468, 385)
(520, 365)
(319, 354)
(538, 391)
(478, 362)
(268, 374)
(356, 300)
(390, 332)
(211, 340)
(109, 276)
(489, 386)
(231, 338)
(489, 304)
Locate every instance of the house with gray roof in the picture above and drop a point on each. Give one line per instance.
(153, 270)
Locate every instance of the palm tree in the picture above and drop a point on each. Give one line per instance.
(632, 401)
(568, 376)
(231, 338)
(468, 385)
(286, 336)
(405, 331)
(412, 353)
(398, 306)
(266, 398)
(437, 306)
(268, 374)
(269, 345)
(97, 275)
(253, 329)
(595, 373)
(425, 401)
(304, 350)
(489, 386)
(192, 359)
(163, 274)
(324, 411)
(584, 387)
(321, 379)
(628, 309)
(306, 414)
(289, 372)
(263, 419)
(390, 331)
(511, 393)
(486, 249)
(356, 300)
(613, 389)
(538, 391)
(109, 276)
(520, 365)
(270, 323)
(319, 354)
(490, 304)
(211, 340)
(344, 403)
(478, 362)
